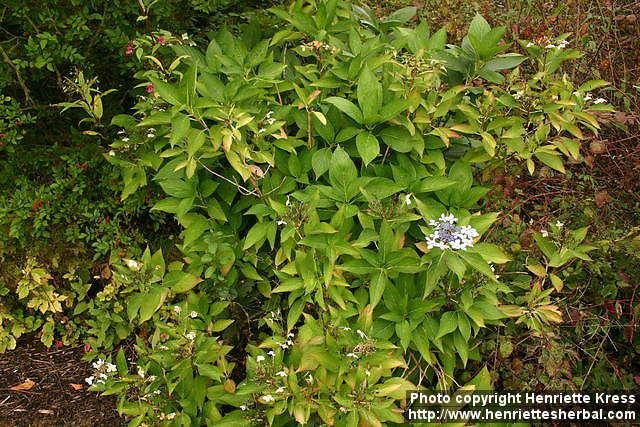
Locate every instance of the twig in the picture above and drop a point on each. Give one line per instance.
(235, 183)
(24, 87)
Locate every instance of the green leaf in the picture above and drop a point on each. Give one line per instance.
(170, 93)
(402, 15)
(505, 62)
(320, 161)
(368, 147)
(557, 282)
(177, 188)
(377, 285)
(547, 247)
(537, 269)
(464, 326)
(295, 311)
(477, 263)
(462, 347)
(592, 84)
(448, 324)
(121, 363)
(151, 303)
(479, 27)
(347, 107)
(258, 233)
(491, 253)
(221, 325)
(196, 227)
(343, 174)
(552, 160)
(179, 126)
(180, 282)
(433, 183)
(400, 140)
(369, 93)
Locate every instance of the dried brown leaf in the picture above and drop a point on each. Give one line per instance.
(27, 385)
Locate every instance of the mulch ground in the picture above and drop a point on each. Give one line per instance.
(52, 400)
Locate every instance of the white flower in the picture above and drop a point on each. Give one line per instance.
(268, 398)
(530, 44)
(98, 364)
(89, 380)
(281, 374)
(125, 139)
(600, 101)
(281, 222)
(262, 130)
(447, 235)
(353, 355)
(259, 358)
(102, 376)
(368, 372)
(193, 314)
(112, 153)
(361, 334)
(243, 407)
(407, 199)
(309, 379)
(289, 342)
(111, 367)
(344, 328)
(544, 233)
(550, 46)
(151, 135)
(271, 353)
(191, 336)
(171, 416)
(185, 36)
(132, 264)
(283, 346)
(290, 335)
(280, 390)
(559, 224)
(141, 372)
(563, 44)
(288, 202)
(177, 309)
(588, 97)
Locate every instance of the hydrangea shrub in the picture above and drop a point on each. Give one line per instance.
(329, 168)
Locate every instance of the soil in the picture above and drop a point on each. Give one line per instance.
(52, 400)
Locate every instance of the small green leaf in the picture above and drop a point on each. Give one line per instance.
(368, 147)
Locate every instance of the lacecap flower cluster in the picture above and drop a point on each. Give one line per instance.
(448, 235)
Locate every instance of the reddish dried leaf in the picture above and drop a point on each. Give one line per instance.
(602, 198)
(76, 386)
(27, 385)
